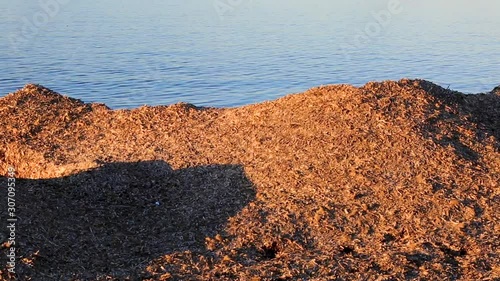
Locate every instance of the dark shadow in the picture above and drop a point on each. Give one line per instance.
(115, 219)
(481, 110)
(434, 253)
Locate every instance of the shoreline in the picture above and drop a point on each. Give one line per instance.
(495, 89)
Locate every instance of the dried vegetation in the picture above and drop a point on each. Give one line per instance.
(389, 181)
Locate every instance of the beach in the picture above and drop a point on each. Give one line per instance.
(393, 180)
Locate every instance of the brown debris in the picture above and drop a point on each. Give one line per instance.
(389, 181)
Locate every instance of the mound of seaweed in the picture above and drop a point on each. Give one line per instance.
(389, 181)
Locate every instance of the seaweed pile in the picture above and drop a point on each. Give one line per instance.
(389, 181)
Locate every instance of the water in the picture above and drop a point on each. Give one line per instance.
(235, 52)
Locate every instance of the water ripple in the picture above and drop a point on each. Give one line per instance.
(172, 51)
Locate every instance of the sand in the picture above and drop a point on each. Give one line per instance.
(389, 181)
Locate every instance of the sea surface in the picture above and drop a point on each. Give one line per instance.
(228, 53)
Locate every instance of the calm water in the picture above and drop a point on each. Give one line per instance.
(235, 52)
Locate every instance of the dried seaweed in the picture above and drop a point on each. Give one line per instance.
(389, 181)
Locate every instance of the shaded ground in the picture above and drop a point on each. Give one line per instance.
(113, 219)
(390, 181)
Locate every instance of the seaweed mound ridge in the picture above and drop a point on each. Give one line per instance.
(394, 180)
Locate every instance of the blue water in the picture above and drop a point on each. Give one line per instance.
(233, 52)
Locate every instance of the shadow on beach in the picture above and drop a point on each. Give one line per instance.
(115, 219)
